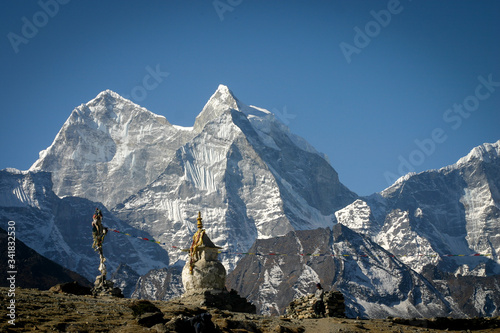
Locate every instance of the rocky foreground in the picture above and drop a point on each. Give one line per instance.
(60, 312)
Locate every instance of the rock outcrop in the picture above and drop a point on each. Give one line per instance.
(302, 308)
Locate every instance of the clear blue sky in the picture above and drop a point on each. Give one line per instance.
(361, 98)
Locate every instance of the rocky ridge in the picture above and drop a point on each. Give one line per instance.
(439, 214)
(373, 282)
(48, 311)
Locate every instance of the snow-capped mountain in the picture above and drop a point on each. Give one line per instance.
(242, 168)
(436, 215)
(246, 173)
(108, 149)
(60, 229)
(253, 181)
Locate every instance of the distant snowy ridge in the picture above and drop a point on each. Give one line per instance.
(453, 210)
(487, 152)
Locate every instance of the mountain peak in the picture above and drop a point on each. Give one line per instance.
(221, 101)
(223, 98)
(108, 92)
(109, 96)
(109, 105)
(223, 89)
(485, 152)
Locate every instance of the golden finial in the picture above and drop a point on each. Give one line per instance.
(200, 224)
